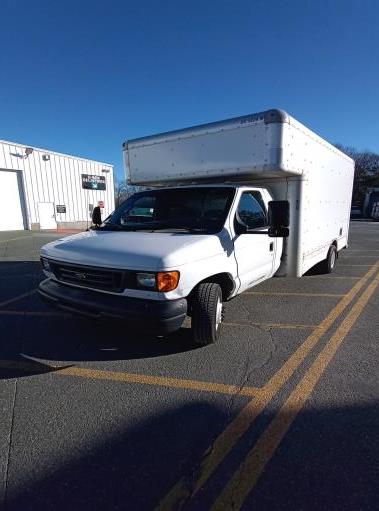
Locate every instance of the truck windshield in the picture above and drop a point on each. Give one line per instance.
(195, 210)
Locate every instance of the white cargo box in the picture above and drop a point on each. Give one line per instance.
(268, 149)
(262, 145)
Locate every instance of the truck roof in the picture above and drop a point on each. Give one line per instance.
(268, 116)
(251, 186)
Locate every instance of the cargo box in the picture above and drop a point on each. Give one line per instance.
(262, 145)
(268, 149)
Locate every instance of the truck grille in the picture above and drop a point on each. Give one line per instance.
(86, 276)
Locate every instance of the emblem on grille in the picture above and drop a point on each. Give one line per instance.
(81, 276)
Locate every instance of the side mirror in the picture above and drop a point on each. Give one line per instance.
(96, 216)
(278, 218)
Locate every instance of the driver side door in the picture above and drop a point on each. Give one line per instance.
(254, 253)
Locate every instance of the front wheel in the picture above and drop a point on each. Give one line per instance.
(207, 313)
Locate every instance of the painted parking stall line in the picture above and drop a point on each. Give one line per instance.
(160, 381)
(133, 378)
(268, 325)
(16, 298)
(354, 265)
(35, 313)
(363, 255)
(279, 294)
(331, 277)
(240, 323)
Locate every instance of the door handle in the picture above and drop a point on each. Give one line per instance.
(272, 246)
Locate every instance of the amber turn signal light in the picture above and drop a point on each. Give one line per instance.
(167, 280)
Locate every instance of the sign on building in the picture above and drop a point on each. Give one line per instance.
(91, 182)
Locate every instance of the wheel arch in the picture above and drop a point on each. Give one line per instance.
(224, 280)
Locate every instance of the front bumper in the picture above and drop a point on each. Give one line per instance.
(157, 316)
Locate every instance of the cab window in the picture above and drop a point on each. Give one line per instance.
(251, 210)
(141, 211)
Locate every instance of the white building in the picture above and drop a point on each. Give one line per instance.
(42, 189)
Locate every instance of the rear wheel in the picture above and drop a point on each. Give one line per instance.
(329, 263)
(207, 313)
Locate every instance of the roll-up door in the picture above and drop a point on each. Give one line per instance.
(11, 218)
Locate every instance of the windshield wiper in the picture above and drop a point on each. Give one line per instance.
(110, 227)
(156, 226)
(173, 228)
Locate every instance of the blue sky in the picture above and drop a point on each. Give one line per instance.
(82, 76)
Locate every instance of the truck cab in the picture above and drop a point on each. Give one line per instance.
(166, 253)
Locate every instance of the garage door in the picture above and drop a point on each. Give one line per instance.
(11, 218)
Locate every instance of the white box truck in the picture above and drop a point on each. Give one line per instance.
(228, 205)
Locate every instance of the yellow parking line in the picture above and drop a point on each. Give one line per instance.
(268, 325)
(16, 298)
(272, 293)
(34, 313)
(228, 323)
(340, 264)
(245, 477)
(328, 277)
(142, 379)
(161, 381)
(33, 367)
(223, 444)
(364, 255)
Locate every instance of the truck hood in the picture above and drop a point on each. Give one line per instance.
(136, 250)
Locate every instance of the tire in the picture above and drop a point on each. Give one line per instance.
(327, 266)
(207, 313)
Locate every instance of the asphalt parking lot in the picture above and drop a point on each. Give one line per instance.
(282, 413)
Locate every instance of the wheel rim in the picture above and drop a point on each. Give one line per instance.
(218, 313)
(332, 258)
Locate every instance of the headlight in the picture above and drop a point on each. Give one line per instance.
(162, 281)
(146, 280)
(167, 280)
(45, 264)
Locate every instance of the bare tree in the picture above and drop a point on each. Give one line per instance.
(123, 191)
(366, 171)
